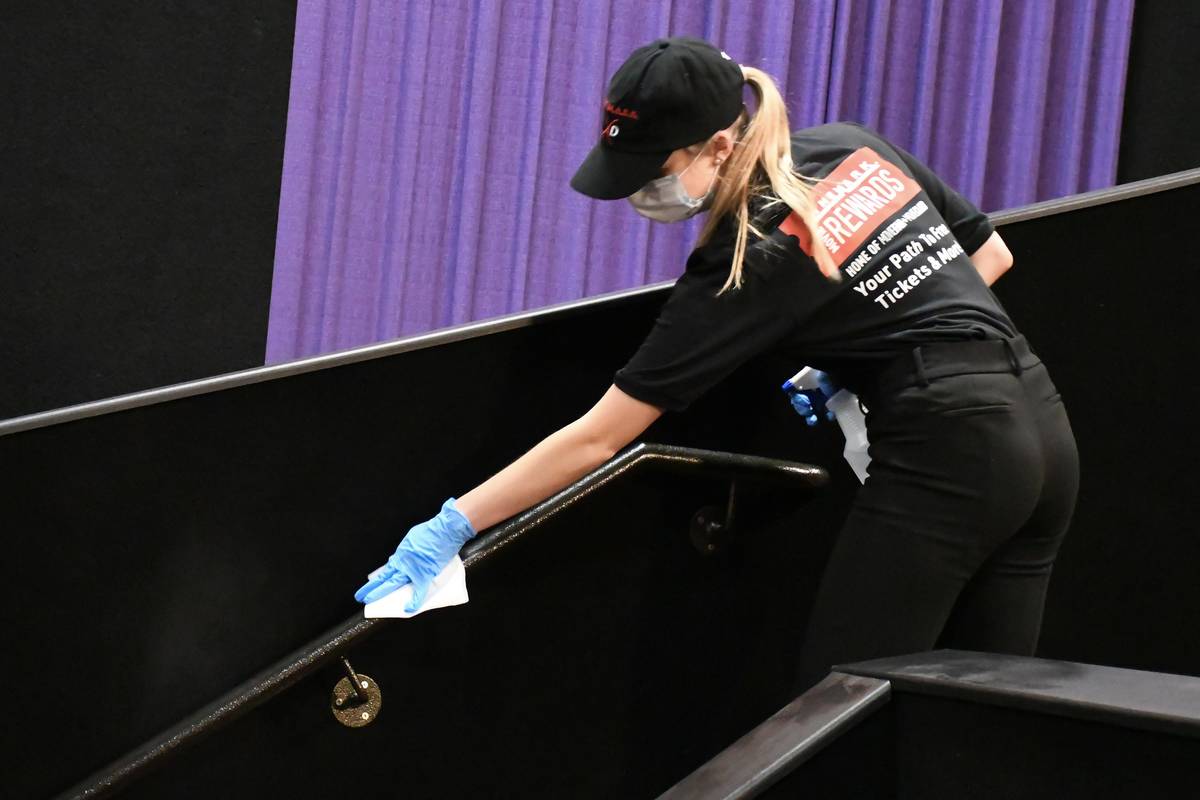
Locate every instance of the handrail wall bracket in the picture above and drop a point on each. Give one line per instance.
(356, 698)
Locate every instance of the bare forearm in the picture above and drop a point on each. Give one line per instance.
(992, 259)
(990, 269)
(554, 463)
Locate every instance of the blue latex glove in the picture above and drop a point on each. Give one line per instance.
(809, 403)
(423, 553)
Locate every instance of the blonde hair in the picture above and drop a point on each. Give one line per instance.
(760, 167)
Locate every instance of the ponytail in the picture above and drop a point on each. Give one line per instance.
(761, 167)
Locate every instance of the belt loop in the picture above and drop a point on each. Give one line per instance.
(1012, 357)
(919, 363)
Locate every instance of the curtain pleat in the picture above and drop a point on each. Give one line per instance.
(430, 144)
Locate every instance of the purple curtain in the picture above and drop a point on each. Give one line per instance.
(429, 144)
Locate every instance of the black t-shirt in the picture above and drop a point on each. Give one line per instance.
(901, 238)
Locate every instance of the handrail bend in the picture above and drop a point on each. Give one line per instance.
(301, 662)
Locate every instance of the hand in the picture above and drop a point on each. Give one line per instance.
(811, 402)
(828, 387)
(423, 553)
(808, 408)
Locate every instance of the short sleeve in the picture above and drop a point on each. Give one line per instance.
(699, 338)
(970, 226)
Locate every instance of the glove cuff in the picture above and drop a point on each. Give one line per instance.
(456, 523)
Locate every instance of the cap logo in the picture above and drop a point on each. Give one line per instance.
(612, 131)
(628, 113)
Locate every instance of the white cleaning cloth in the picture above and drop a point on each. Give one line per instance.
(449, 588)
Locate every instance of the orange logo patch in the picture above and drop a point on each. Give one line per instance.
(852, 202)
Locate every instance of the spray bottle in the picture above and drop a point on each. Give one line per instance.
(846, 410)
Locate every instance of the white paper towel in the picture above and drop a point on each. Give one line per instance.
(449, 588)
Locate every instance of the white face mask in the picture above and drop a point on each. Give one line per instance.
(665, 200)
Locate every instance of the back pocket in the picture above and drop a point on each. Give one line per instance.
(968, 411)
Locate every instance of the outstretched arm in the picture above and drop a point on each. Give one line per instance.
(559, 460)
(992, 259)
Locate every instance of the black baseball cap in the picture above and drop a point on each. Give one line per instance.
(668, 94)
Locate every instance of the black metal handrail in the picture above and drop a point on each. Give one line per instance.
(301, 662)
(1151, 701)
(785, 740)
(1164, 704)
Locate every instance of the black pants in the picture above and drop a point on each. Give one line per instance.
(951, 540)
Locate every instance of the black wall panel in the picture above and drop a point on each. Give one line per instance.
(1109, 308)
(1160, 127)
(141, 161)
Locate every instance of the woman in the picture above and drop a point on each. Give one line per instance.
(844, 252)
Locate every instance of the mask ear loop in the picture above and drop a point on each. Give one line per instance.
(696, 157)
(712, 182)
(718, 162)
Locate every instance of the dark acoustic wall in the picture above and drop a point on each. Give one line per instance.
(1160, 129)
(141, 161)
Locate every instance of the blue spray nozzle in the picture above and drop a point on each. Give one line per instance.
(805, 380)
